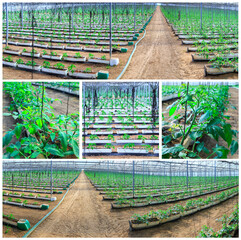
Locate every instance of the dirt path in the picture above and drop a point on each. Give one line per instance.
(84, 214)
(160, 55)
(80, 215)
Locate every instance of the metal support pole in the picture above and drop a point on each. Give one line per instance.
(72, 18)
(215, 171)
(6, 4)
(201, 15)
(133, 182)
(134, 18)
(51, 180)
(143, 173)
(108, 167)
(110, 30)
(187, 173)
(22, 16)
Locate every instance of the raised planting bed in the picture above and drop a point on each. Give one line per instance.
(111, 62)
(128, 141)
(53, 70)
(52, 57)
(29, 67)
(132, 151)
(83, 74)
(211, 70)
(136, 224)
(29, 54)
(92, 49)
(12, 52)
(40, 45)
(97, 151)
(198, 57)
(74, 59)
(97, 141)
(102, 132)
(9, 64)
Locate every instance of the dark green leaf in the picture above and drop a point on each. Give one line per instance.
(7, 138)
(234, 147)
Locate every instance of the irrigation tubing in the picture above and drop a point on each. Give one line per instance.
(38, 223)
(128, 62)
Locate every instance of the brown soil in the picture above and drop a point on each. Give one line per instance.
(33, 215)
(61, 108)
(84, 214)
(234, 121)
(161, 55)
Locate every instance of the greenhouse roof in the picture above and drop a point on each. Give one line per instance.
(121, 166)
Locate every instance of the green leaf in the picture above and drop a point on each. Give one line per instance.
(54, 151)
(192, 154)
(221, 152)
(228, 134)
(34, 154)
(173, 150)
(205, 116)
(32, 129)
(200, 147)
(63, 140)
(167, 139)
(18, 130)
(14, 154)
(172, 110)
(52, 136)
(234, 147)
(75, 147)
(68, 153)
(7, 138)
(39, 123)
(195, 135)
(177, 134)
(182, 155)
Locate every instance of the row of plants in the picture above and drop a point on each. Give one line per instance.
(85, 16)
(124, 180)
(38, 179)
(155, 218)
(150, 198)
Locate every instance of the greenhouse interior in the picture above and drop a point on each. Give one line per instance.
(40, 120)
(118, 198)
(120, 40)
(200, 120)
(120, 120)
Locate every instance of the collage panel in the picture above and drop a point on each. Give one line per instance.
(40, 120)
(200, 120)
(120, 198)
(134, 40)
(115, 66)
(120, 120)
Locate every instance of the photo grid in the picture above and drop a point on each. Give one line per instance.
(120, 119)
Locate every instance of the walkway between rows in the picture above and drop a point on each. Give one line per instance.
(84, 214)
(160, 55)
